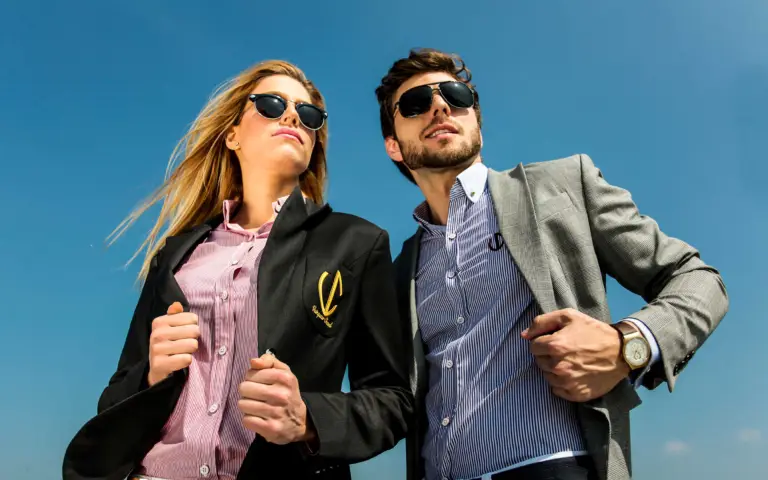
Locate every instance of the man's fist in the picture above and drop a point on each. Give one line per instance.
(172, 343)
(580, 356)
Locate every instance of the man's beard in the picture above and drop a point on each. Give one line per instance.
(417, 156)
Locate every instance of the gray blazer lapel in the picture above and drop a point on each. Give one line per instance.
(517, 221)
(418, 370)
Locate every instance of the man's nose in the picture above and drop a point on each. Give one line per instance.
(439, 105)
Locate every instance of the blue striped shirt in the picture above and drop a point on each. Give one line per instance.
(489, 407)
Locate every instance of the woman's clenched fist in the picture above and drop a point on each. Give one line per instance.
(172, 343)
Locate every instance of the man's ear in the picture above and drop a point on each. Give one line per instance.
(393, 149)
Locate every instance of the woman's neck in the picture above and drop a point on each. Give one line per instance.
(258, 196)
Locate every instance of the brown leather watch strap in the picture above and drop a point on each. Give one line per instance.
(626, 328)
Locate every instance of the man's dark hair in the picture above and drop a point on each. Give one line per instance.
(422, 60)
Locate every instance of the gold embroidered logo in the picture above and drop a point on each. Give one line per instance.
(326, 309)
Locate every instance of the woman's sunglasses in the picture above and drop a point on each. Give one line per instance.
(418, 100)
(272, 106)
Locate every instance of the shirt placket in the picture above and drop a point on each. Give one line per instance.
(223, 345)
(451, 384)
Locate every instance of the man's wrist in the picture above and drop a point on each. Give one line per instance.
(621, 365)
(635, 343)
(649, 337)
(632, 326)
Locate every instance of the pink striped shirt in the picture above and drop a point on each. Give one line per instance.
(205, 437)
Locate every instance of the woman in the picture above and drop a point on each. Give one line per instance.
(255, 301)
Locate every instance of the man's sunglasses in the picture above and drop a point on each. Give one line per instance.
(272, 106)
(418, 100)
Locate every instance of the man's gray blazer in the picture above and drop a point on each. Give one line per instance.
(566, 229)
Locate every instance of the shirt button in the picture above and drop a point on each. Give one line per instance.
(213, 408)
(460, 320)
(234, 261)
(449, 363)
(222, 350)
(451, 236)
(451, 274)
(204, 470)
(224, 295)
(446, 421)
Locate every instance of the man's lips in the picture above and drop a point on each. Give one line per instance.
(441, 129)
(288, 132)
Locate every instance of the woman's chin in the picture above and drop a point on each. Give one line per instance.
(293, 167)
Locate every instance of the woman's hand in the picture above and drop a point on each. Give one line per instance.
(172, 342)
(272, 403)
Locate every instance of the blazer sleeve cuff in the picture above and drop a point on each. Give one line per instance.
(323, 416)
(138, 377)
(133, 382)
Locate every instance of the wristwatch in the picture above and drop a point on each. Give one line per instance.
(634, 347)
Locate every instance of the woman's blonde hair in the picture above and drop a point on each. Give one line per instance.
(208, 172)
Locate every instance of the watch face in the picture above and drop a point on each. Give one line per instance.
(636, 352)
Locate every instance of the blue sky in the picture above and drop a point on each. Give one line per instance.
(668, 98)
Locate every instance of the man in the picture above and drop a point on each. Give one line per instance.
(519, 371)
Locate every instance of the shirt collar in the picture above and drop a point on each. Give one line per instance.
(472, 182)
(229, 207)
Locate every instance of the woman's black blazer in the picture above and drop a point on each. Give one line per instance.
(308, 249)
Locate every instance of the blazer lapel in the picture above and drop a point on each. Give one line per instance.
(285, 243)
(278, 261)
(175, 250)
(517, 221)
(410, 261)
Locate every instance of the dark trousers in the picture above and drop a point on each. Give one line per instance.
(572, 468)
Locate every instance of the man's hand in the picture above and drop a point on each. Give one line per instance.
(172, 342)
(579, 355)
(272, 404)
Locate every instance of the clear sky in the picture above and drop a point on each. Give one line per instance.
(668, 98)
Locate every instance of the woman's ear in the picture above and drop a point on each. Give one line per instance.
(232, 139)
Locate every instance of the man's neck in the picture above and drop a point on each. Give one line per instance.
(436, 186)
(259, 193)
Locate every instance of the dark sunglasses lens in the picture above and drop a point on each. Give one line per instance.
(311, 116)
(415, 101)
(458, 94)
(270, 107)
